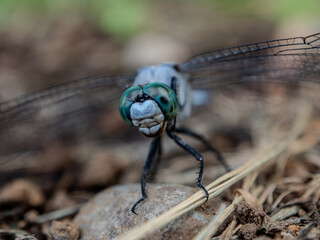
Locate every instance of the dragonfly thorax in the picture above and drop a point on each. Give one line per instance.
(165, 73)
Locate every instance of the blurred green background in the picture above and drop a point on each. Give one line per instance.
(43, 42)
(124, 18)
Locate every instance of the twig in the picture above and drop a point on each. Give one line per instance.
(58, 214)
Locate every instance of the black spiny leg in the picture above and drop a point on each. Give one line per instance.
(192, 151)
(155, 164)
(207, 144)
(154, 149)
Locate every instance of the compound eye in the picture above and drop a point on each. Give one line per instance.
(126, 100)
(165, 97)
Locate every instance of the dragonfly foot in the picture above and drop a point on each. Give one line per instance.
(136, 204)
(204, 189)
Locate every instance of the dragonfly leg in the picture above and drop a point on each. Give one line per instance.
(205, 142)
(193, 152)
(174, 88)
(155, 164)
(154, 149)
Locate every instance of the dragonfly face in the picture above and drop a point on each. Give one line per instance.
(149, 107)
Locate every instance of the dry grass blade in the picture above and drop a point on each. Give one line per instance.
(58, 214)
(247, 183)
(212, 227)
(228, 232)
(226, 213)
(226, 181)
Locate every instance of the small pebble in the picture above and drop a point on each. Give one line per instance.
(108, 214)
(64, 230)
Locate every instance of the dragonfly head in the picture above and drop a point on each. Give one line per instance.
(149, 107)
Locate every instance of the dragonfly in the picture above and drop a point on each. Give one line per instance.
(156, 98)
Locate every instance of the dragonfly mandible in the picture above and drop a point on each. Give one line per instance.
(160, 95)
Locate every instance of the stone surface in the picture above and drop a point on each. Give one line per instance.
(64, 230)
(108, 214)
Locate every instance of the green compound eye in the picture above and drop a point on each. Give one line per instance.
(126, 100)
(165, 97)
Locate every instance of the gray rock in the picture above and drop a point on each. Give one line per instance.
(108, 214)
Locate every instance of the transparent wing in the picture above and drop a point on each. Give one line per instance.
(292, 59)
(33, 120)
